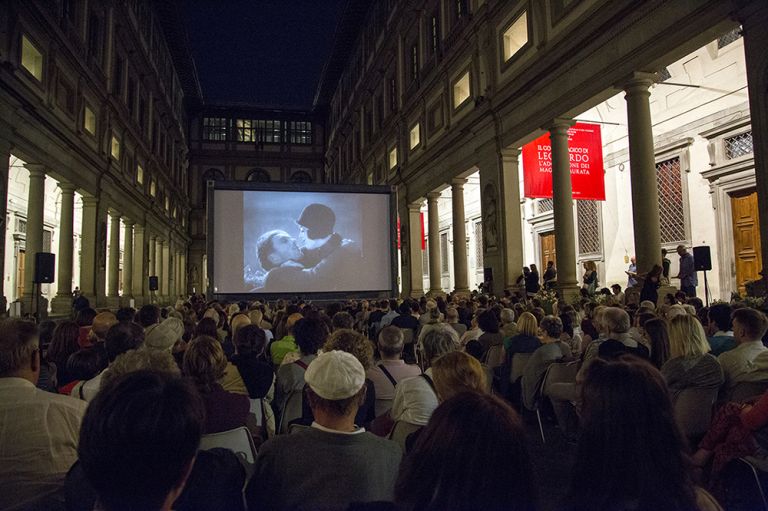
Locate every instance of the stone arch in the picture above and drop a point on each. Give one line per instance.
(258, 175)
(211, 174)
(301, 177)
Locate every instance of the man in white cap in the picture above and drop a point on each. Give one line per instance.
(162, 336)
(334, 463)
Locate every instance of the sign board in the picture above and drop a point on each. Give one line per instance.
(585, 149)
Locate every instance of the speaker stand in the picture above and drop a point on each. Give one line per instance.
(706, 288)
(36, 290)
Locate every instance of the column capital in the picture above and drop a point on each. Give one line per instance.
(559, 125)
(114, 215)
(510, 154)
(458, 182)
(67, 188)
(127, 221)
(90, 201)
(433, 196)
(36, 170)
(637, 82)
(139, 228)
(416, 206)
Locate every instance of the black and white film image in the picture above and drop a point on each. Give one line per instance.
(305, 242)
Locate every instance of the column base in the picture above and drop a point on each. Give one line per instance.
(61, 305)
(139, 301)
(29, 304)
(125, 301)
(570, 293)
(434, 293)
(415, 293)
(462, 292)
(515, 290)
(113, 302)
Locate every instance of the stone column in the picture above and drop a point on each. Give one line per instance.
(127, 261)
(61, 305)
(151, 268)
(113, 260)
(88, 248)
(754, 18)
(34, 240)
(138, 271)
(171, 289)
(165, 272)
(642, 172)
(5, 161)
(460, 271)
(412, 246)
(562, 197)
(502, 221)
(435, 274)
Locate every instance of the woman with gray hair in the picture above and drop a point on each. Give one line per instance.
(415, 398)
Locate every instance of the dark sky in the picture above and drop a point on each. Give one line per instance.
(268, 52)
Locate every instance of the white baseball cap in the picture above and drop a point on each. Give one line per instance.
(335, 375)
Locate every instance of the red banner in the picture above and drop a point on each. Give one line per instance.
(585, 149)
(423, 236)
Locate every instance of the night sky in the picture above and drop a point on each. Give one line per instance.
(267, 52)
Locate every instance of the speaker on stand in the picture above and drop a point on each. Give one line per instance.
(154, 284)
(45, 272)
(702, 261)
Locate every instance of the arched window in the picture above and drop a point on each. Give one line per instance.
(258, 175)
(300, 177)
(210, 175)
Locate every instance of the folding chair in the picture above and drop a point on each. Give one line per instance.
(238, 441)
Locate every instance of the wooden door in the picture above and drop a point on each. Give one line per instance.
(547, 241)
(746, 237)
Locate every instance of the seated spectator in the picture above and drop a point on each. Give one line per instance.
(434, 318)
(656, 334)
(737, 430)
(238, 321)
(489, 324)
(204, 364)
(415, 398)
(618, 341)
(690, 364)
(287, 344)
(310, 336)
(494, 474)
(457, 372)
(102, 322)
(571, 332)
(342, 320)
(452, 319)
(720, 328)
(508, 326)
(391, 369)
(406, 318)
(355, 344)
(748, 361)
(141, 460)
(140, 360)
(39, 430)
(473, 333)
(526, 340)
(82, 365)
(206, 327)
(148, 315)
(163, 336)
(121, 338)
(125, 314)
(425, 318)
(63, 344)
(552, 349)
(631, 454)
(256, 374)
(85, 317)
(257, 318)
(618, 294)
(391, 314)
(334, 463)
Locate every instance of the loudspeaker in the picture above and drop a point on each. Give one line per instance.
(702, 259)
(153, 283)
(487, 274)
(45, 267)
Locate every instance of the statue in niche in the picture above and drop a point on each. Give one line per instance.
(490, 218)
(194, 275)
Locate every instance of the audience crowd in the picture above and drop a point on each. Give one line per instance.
(383, 404)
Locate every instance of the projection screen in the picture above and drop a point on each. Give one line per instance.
(315, 241)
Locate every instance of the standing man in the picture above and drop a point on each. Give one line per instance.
(687, 274)
(550, 276)
(632, 273)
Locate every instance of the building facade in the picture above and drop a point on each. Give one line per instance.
(431, 93)
(93, 99)
(246, 143)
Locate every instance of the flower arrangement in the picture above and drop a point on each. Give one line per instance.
(548, 299)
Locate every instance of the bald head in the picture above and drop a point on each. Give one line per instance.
(102, 323)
